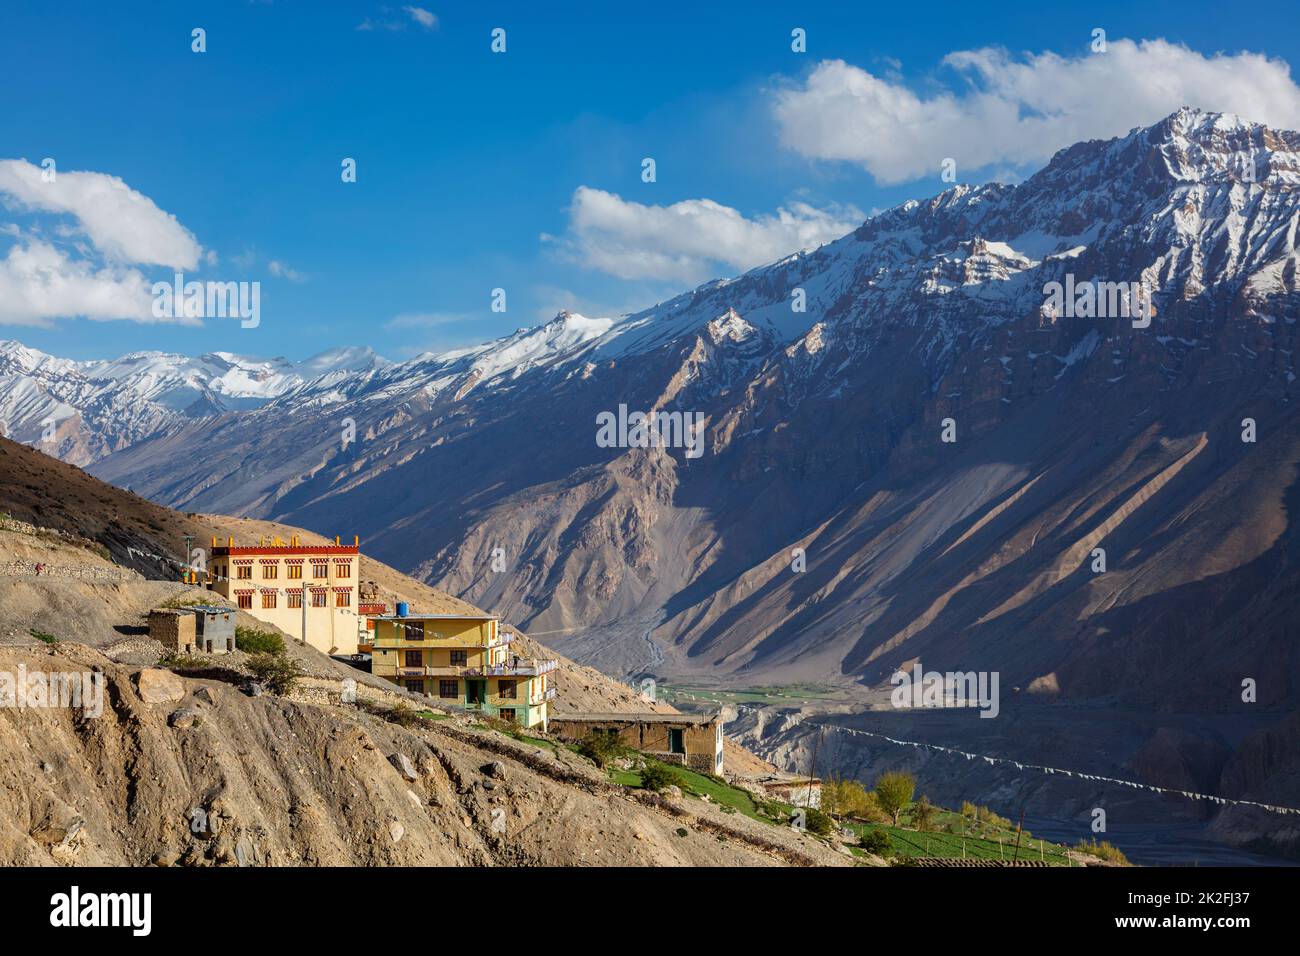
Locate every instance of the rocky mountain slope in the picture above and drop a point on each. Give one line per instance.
(824, 432)
(83, 411)
(190, 771)
(1109, 529)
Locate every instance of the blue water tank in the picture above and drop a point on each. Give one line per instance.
(403, 609)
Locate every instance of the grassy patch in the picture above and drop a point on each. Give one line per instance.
(402, 713)
(1104, 850)
(43, 636)
(178, 603)
(942, 843)
(693, 694)
(699, 785)
(184, 662)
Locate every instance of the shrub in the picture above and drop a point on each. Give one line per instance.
(253, 641)
(657, 776)
(184, 662)
(818, 821)
(991, 821)
(600, 748)
(276, 671)
(894, 791)
(1105, 850)
(877, 842)
(923, 813)
(43, 636)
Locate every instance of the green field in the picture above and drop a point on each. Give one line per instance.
(698, 785)
(979, 843)
(939, 843)
(688, 695)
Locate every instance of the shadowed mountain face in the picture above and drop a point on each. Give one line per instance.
(828, 530)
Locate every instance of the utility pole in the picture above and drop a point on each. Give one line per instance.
(812, 770)
(1019, 827)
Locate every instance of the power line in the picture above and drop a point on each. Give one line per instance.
(1096, 778)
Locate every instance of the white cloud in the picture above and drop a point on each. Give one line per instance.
(1021, 110)
(421, 16)
(688, 240)
(282, 271)
(91, 271)
(427, 320)
(39, 282)
(124, 225)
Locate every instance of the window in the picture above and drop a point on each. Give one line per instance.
(343, 569)
(295, 572)
(295, 599)
(341, 598)
(448, 689)
(414, 659)
(508, 713)
(244, 572)
(506, 689)
(268, 599)
(414, 684)
(270, 572)
(319, 569)
(246, 601)
(412, 630)
(459, 658)
(318, 599)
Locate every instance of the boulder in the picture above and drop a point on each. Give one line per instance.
(185, 717)
(156, 685)
(494, 769)
(60, 825)
(404, 766)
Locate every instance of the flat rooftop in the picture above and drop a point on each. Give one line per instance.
(433, 617)
(639, 718)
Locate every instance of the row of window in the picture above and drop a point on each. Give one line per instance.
(450, 689)
(270, 572)
(447, 690)
(318, 599)
(416, 659)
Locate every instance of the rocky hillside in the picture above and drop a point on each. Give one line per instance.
(192, 772)
(824, 445)
(189, 770)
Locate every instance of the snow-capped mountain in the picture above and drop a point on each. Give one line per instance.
(826, 381)
(82, 411)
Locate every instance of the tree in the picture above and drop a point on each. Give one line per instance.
(846, 798)
(894, 791)
(923, 813)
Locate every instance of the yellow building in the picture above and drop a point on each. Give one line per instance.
(465, 661)
(268, 581)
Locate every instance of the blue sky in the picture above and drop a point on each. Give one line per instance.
(523, 170)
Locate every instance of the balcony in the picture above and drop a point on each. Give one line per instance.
(524, 668)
